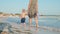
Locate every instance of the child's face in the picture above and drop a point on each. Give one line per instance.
(23, 10)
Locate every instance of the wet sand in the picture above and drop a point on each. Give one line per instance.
(41, 30)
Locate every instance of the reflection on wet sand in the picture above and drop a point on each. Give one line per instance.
(34, 29)
(29, 30)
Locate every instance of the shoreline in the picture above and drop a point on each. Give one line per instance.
(18, 16)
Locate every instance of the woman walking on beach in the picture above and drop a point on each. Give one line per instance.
(32, 11)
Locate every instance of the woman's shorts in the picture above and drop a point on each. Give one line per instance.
(31, 16)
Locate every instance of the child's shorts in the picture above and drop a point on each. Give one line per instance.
(23, 20)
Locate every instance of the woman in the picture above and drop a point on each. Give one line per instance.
(32, 11)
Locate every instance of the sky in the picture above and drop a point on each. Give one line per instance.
(45, 7)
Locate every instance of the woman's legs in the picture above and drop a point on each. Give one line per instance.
(36, 20)
(30, 21)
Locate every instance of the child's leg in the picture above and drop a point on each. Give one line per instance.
(24, 25)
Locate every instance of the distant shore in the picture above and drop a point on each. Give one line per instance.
(9, 15)
(40, 16)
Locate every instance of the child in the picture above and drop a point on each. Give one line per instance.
(23, 14)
